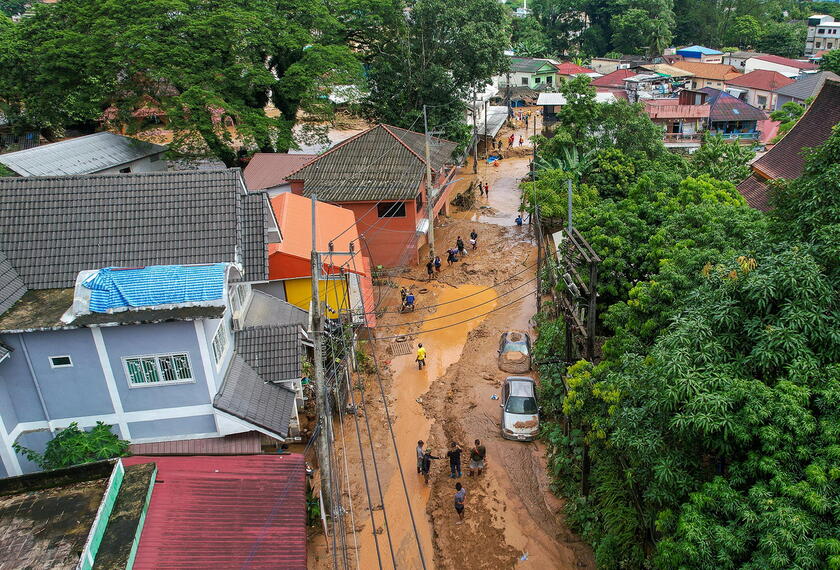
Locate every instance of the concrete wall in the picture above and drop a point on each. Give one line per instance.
(273, 288)
(148, 164)
(166, 428)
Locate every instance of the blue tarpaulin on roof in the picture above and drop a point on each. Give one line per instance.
(116, 288)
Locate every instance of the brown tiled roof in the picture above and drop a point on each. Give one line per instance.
(382, 163)
(754, 191)
(717, 71)
(761, 79)
(267, 169)
(786, 160)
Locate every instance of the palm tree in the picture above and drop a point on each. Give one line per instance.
(659, 37)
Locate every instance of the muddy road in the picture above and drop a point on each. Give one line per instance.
(511, 517)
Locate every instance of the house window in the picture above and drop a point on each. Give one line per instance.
(548, 80)
(524, 81)
(60, 361)
(391, 210)
(821, 31)
(762, 101)
(220, 341)
(537, 80)
(125, 170)
(830, 45)
(819, 44)
(708, 83)
(419, 201)
(155, 369)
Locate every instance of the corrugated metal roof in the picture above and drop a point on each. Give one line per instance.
(82, 155)
(248, 443)
(267, 170)
(247, 396)
(264, 310)
(666, 109)
(614, 79)
(225, 512)
(803, 65)
(725, 107)
(698, 49)
(382, 163)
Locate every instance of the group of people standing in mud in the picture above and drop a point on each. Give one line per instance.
(478, 462)
(452, 255)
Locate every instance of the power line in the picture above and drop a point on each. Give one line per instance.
(396, 449)
(462, 310)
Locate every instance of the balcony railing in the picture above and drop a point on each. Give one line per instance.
(683, 137)
(743, 136)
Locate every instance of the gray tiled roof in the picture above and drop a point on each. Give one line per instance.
(81, 155)
(382, 163)
(53, 227)
(245, 395)
(806, 86)
(11, 285)
(274, 351)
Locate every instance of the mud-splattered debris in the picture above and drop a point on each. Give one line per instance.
(525, 425)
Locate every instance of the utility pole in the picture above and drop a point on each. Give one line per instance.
(486, 103)
(430, 206)
(475, 135)
(321, 406)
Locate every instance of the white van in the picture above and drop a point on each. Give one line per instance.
(520, 413)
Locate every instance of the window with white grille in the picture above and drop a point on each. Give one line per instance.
(156, 369)
(220, 341)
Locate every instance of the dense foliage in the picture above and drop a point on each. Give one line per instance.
(599, 27)
(74, 446)
(706, 436)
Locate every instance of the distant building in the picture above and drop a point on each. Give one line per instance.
(682, 119)
(614, 80)
(786, 159)
(534, 73)
(708, 74)
(701, 54)
(784, 65)
(757, 87)
(823, 34)
(731, 117)
(738, 59)
(805, 87)
(99, 153)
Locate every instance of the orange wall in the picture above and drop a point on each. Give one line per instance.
(284, 266)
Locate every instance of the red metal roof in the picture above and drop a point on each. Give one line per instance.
(787, 61)
(247, 443)
(225, 512)
(761, 79)
(614, 79)
(266, 169)
(671, 109)
(569, 68)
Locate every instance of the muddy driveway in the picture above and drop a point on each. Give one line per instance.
(511, 517)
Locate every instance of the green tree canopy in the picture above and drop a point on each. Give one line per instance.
(831, 61)
(74, 446)
(785, 39)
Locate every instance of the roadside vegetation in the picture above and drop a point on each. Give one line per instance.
(706, 435)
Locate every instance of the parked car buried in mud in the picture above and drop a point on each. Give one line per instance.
(520, 413)
(515, 352)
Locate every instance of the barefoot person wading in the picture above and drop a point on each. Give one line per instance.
(478, 455)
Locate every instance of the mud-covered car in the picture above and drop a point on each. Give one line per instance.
(515, 352)
(520, 413)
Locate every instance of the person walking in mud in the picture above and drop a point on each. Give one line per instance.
(437, 264)
(420, 456)
(454, 456)
(478, 455)
(460, 497)
(427, 464)
(430, 269)
(421, 356)
(459, 243)
(451, 258)
(474, 240)
(486, 190)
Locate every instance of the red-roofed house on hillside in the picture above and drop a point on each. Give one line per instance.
(568, 70)
(225, 512)
(786, 66)
(786, 160)
(380, 175)
(267, 171)
(613, 80)
(756, 87)
(345, 280)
